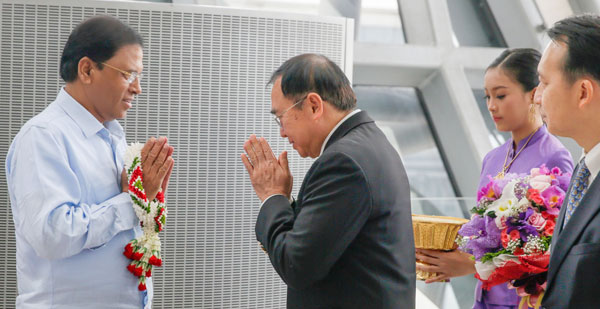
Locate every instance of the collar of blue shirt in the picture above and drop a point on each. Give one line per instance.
(84, 119)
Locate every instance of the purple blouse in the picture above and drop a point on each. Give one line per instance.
(543, 148)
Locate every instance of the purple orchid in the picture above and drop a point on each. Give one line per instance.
(485, 233)
(563, 181)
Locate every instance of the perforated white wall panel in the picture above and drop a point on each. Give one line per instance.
(205, 72)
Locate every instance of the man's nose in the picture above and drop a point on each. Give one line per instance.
(282, 132)
(135, 87)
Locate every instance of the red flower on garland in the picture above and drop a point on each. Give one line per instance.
(138, 271)
(160, 196)
(142, 286)
(159, 224)
(137, 256)
(155, 261)
(128, 251)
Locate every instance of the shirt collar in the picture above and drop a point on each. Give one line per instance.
(84, 119)
(335, 128)
(592, 161)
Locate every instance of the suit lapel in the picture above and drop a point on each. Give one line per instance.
(569, 234)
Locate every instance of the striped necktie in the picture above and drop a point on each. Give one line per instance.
(578, 189)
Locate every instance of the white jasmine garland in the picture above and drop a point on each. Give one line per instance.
(144, 251)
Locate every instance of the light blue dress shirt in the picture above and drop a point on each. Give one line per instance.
(71, 219)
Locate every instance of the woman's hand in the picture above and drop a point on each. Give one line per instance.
(447, 265)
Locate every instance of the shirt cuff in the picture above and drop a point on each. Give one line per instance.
(291, 199)
(125, 213)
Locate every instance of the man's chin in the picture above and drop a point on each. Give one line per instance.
(301, 153)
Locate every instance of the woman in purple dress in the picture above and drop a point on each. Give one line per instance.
(510, 83)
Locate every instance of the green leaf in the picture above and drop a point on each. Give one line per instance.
(133, 164)
(477, 210)
(138, 184)
(489, 256)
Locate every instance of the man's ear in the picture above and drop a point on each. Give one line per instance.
(315, 104)
(585, 92)
(85, 69)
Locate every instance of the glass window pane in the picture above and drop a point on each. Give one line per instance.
(474, 24)
(379, 22)
(398, 112)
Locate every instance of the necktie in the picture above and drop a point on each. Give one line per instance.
(578, 189)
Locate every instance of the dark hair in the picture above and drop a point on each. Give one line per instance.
(581, 34)
(315, 73)
(520, 64)
(98, 38)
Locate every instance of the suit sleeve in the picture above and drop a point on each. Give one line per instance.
(335, 205)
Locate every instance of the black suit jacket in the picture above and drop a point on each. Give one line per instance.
(574, 271)
(347, 241)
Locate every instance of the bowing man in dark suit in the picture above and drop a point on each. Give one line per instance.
(570, 97)
(347, 240)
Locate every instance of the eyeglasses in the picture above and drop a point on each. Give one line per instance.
(278, 118)
(131, 76)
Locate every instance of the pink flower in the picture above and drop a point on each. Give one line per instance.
(551, 213)
(537, 220)
(486, 191)
(535, 172)
(553, 197)
(534, 195)
(513, 235)
(549, 229)
(556, 171)
(540, 182)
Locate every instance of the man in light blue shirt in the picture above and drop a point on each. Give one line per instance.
(67, 185)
